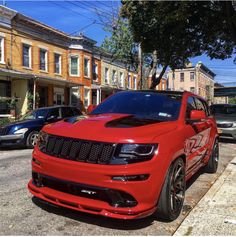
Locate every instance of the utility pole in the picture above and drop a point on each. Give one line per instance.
(140, 59)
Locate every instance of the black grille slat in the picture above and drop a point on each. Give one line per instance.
(50, 145)
(106, 154)
(4, 131)
(225, 125)
(84, 151)
(95, 152)
(79, 150)
(65, 148)
(58, 146)
(74, 149)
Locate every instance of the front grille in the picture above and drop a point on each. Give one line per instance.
(224, 125)
(4, 131)
(79, 150)
(114, 197)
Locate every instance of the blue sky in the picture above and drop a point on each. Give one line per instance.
(72, 16)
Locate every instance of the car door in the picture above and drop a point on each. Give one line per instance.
(198, 133)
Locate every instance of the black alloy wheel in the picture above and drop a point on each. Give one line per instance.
(173, 192)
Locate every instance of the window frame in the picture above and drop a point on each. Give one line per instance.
(95, 71)
(78, 68)
(192, 73)
(60, 65)
(182, 77)
(42, 50)
(29, 55)
(106, 79)
(2, 46)
(88, 59)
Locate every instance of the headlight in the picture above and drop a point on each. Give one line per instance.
(21, 131)
(131, 153)
(42, 140)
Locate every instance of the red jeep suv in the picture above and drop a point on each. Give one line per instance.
(129, 158)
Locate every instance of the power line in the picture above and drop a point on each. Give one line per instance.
(76, 12)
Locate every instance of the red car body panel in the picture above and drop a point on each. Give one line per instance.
(174, 139)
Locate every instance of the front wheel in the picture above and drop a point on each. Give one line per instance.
(172, 195)
(32, 139)
(212, 164)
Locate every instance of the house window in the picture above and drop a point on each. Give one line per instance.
(74, 65)
(26, 55)
(2, 50)
(182, 76)
(135, 83)
(57, 63)
(121, 79)
(95, 72)
(43, 60)
(106, 75)
(86, 67)
(129, 84)
(192, 76)
(192, 89)
(114, 76)
(86, 97)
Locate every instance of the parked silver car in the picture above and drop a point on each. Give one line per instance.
(225, 115)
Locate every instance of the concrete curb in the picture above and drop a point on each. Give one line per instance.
(215, 214)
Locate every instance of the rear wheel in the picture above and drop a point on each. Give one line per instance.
(172, 195)
(212, 164)
(32, 139)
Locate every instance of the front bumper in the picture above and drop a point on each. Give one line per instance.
(11, 140)
(145, 192)
(229, 133)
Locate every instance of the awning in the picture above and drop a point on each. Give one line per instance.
(40, 78)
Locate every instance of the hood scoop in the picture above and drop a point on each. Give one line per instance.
(130, 122)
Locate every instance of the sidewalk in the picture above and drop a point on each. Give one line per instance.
(215, 214)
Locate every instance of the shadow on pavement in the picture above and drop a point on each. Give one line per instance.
(94, 219)
(225, 140)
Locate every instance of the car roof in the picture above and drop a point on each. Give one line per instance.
(156, 91)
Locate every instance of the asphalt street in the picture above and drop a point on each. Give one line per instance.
(21, 214)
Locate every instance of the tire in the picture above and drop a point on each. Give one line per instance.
(171, 199)
(32, 139)
(213, 161)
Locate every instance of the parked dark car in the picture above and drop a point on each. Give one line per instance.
(225, 115)
(25, 131)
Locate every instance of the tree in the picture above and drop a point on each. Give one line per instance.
(175, 31)
(121, 44)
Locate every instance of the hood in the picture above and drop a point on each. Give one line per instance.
(111, 128)
(23, 124)
(225, 118)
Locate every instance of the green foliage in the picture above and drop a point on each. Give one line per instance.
(30, 98)
(121, 44)
(4, 121)
(12, 103)
(179, 30)
(232, 100)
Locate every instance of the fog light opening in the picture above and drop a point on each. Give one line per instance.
(37, 179)
(140, 177)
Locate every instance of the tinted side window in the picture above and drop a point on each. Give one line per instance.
(201, 106)
(54, 113)
(67, 112)
(190, 106)
(76, 111)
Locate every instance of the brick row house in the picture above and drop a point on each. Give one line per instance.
(198, 79)
(45, 66)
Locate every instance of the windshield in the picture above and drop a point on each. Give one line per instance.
(223, 109)
(35, 114)
(150, 105)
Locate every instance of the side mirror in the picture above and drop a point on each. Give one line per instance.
(91, 108)
(197, 115)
